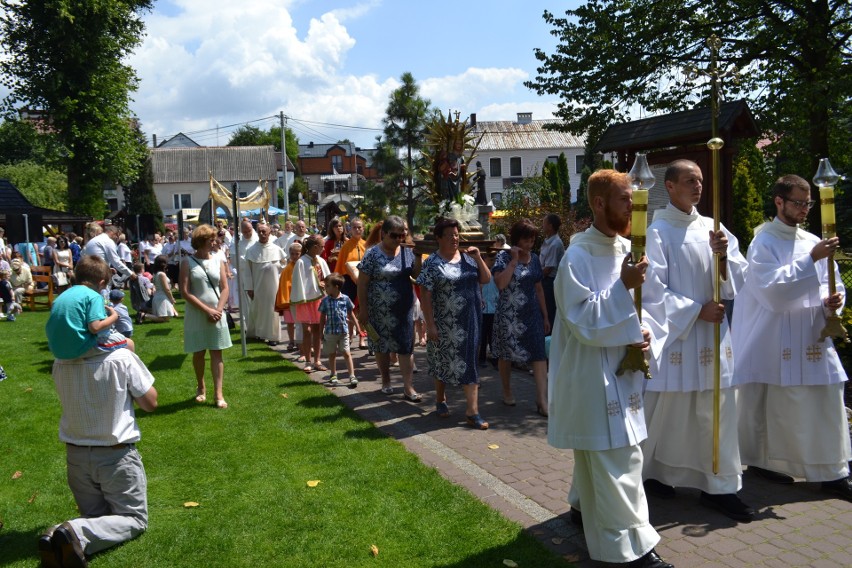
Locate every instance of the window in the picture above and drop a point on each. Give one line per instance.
(182, 200)
(337, 163)
(515, 167)
(579, 163)
(496, 168)
(553, 159)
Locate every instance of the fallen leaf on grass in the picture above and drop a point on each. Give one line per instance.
(31, 499)
(28, 389)
(510, 563)
(313, 483)
(493, 446)
(17, 475)
(556, 541)
(374, 550)
(285, 395)
(190, 504)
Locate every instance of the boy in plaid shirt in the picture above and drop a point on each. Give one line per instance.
(335, 310)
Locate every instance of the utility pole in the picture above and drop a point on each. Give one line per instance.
(284, 163)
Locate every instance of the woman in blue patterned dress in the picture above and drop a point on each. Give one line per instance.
(386, 302)
(452, 306)
(521, 322)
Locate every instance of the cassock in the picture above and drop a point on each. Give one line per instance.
(264, 262)
(592, 410)
(679, 397)
(792, 417)
(243, 271)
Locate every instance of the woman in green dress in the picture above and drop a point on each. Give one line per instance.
(204, 286)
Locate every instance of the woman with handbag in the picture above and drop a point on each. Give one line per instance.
(63, 264)
(204, 286)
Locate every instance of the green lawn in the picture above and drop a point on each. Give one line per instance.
(247, 467)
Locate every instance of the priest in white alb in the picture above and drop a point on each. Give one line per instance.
(247, 238)
(792, 417)
(264, 261)
(593, 411)
(679, 399)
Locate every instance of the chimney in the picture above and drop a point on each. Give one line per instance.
(154, 136)
(473, 120)
(524, 117)
(310, 144)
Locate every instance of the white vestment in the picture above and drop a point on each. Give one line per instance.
(792, 418)
(264, 262)
(679, 397)
(592, 410)
(243, 271)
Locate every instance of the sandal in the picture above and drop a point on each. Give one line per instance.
(200, 396)
(416, 397)
(477, 422)
(300, 359)
(442, 409)
(221, 403)
(387, 389)
(320, 367)
(308, 369)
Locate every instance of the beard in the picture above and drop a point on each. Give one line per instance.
(619, 224)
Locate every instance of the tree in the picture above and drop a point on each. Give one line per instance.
(21, 142)
(614, 56)
(67, 59)
(140, 198)
(42, 186)
(405, 123)
(248, 135)
(749, 173)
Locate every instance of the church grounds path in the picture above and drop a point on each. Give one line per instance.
(511, 468)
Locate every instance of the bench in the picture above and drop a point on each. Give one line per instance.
(40, 295)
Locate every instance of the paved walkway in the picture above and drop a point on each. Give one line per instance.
(511, 468)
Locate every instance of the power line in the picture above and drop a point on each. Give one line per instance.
(210, 133)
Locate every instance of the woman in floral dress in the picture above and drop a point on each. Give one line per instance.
(452, 306)
(521, 322)
(386, 302)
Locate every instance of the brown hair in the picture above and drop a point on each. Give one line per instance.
(522, 229)
(335, 279)
(785, 185)
(443, 224)
(91, 270)
(201, 235)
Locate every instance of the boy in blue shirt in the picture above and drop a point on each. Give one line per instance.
(335, 310)
(124, 324)
(80, 322)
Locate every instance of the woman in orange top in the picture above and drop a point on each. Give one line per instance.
(282, 299)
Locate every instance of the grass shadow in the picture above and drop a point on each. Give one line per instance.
(167, 362)
(158, 332)
(170, 408)
(18, 545)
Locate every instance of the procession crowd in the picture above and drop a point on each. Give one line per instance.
(566, 315)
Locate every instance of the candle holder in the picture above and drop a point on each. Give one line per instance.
(825, 179)
(634, 359)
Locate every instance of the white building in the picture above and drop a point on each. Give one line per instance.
(513, 150)
(182, 174)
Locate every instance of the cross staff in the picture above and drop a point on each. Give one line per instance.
(715, 144)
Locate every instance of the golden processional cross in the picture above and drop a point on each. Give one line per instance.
(715, 144)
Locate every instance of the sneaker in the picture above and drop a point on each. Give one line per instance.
(10, 317)
(353, 382)
(729, 505)
(332, 380)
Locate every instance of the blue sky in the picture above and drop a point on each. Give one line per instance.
(207, 65)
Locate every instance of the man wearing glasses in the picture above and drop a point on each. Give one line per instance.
(792, 419)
